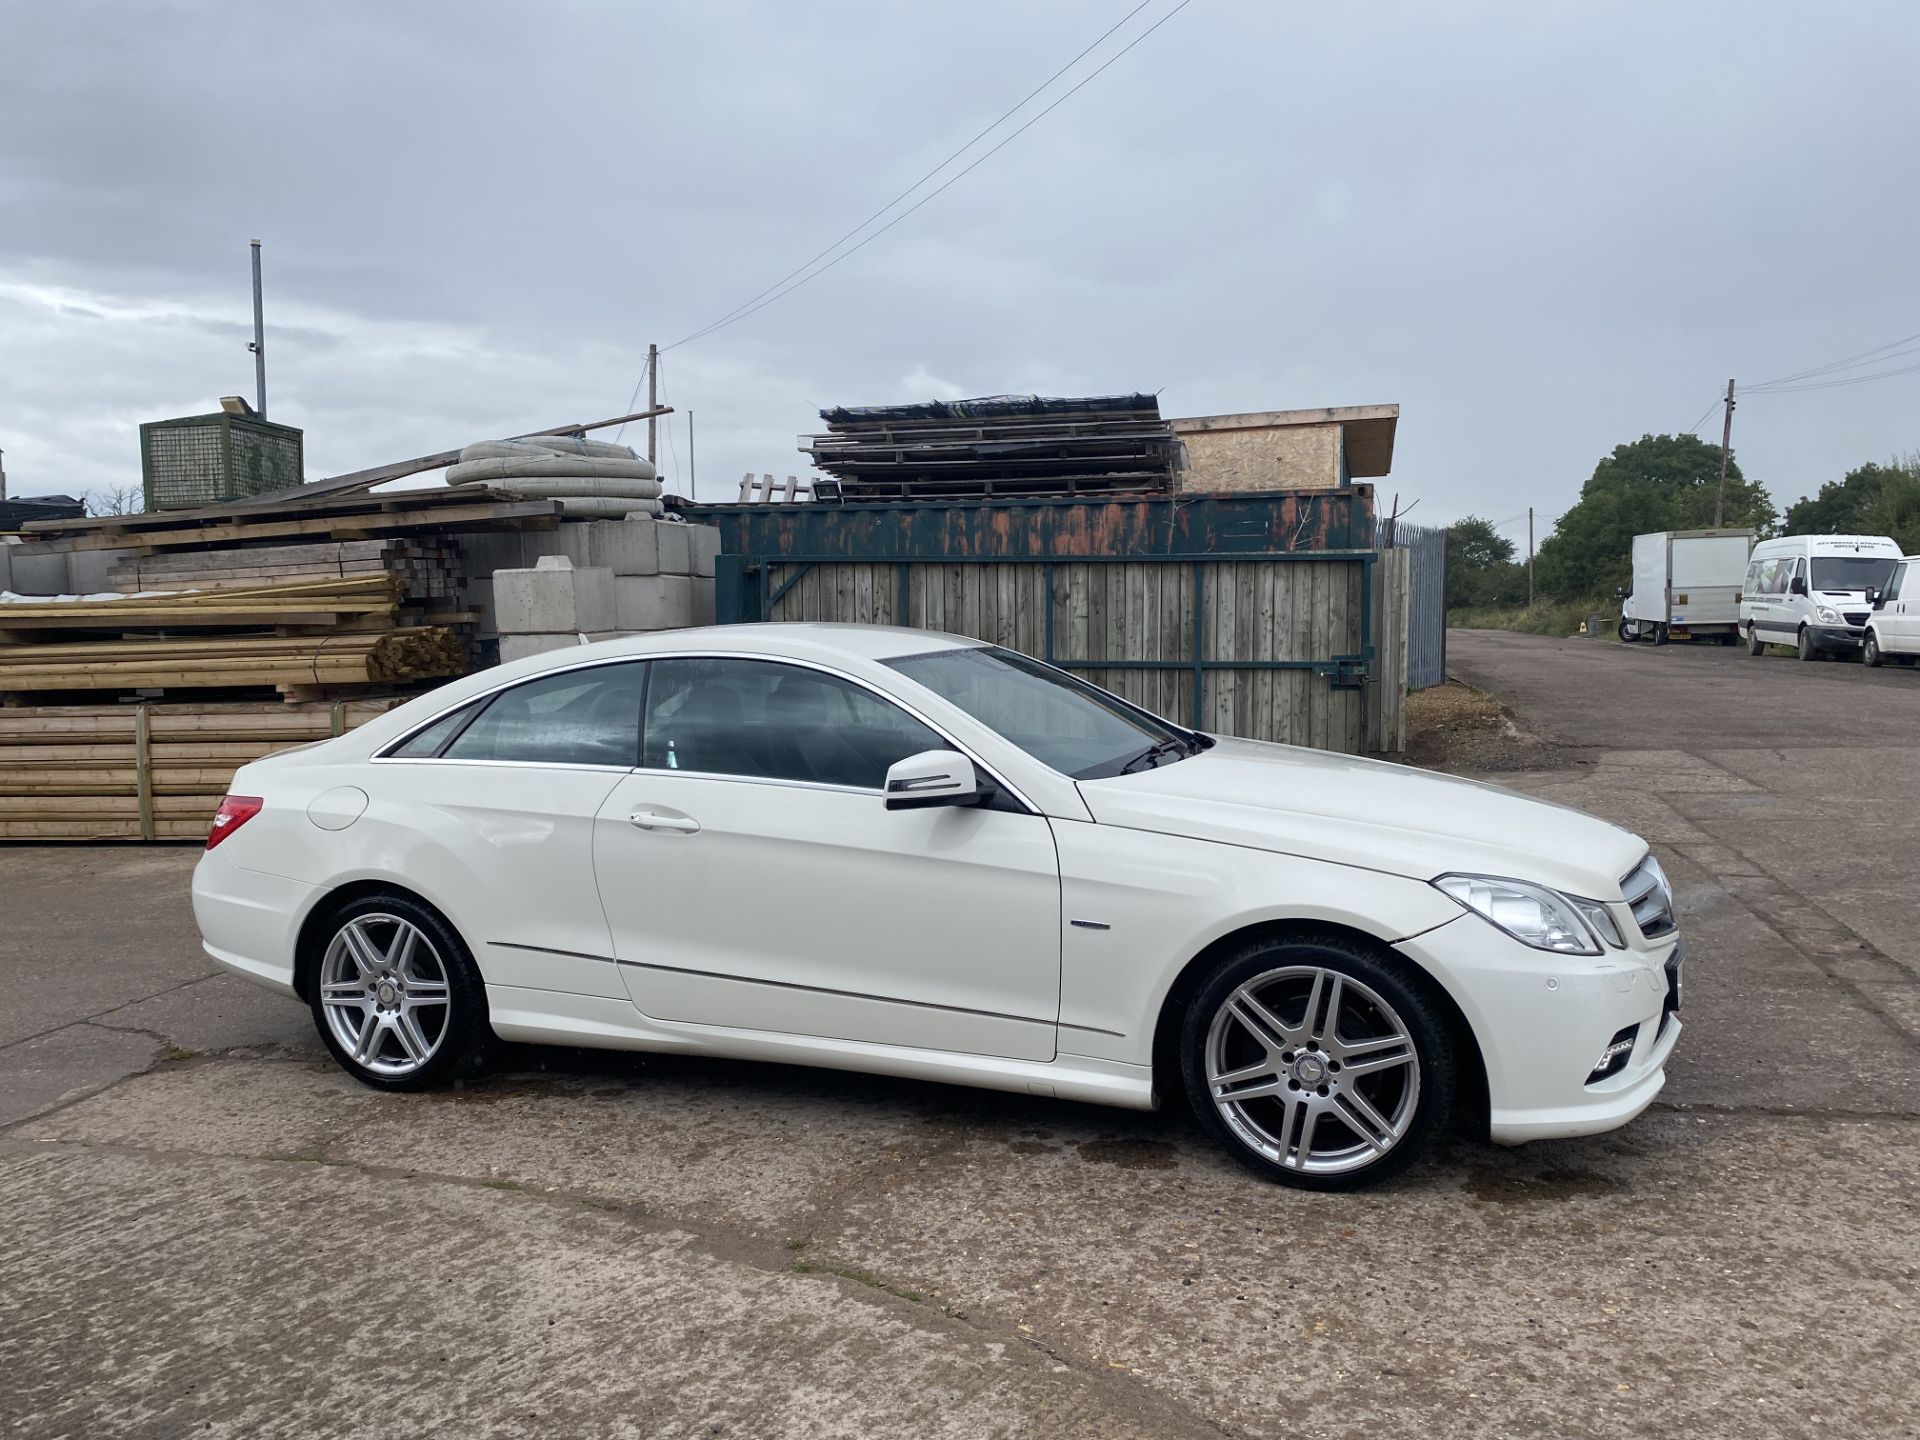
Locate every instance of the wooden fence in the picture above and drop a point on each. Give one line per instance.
(1270, 647)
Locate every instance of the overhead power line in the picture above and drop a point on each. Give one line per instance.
(1877, 355)
(988, 130)
(782, 293)
(802, 274)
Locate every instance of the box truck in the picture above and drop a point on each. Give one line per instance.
(1686, 586)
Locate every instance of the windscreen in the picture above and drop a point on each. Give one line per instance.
(1060, 721)
(1852, 572)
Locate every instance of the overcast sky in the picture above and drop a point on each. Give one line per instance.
(1542, 229)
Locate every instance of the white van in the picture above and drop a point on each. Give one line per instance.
(1893, 630)
(1810, 591)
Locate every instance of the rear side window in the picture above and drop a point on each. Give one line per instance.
(769, 721)
(1897, 583)
(578, 717)
(424, 744)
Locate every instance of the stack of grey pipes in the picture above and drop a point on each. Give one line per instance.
(589, 478)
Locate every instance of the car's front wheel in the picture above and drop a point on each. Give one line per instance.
(1870, 653)
(1317, 1061)
(396, 996)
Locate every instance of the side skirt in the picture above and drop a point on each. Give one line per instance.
(551, 1017)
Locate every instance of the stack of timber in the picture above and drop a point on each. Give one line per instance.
(425, 569)
(1000, 445)
(305, 639)
(353, 515)
(143, 772)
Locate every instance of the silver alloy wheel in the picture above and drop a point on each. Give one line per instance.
(1313, 1070)
(383, 987)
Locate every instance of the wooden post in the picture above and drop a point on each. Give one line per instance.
(1726, 440)
(1529, 557)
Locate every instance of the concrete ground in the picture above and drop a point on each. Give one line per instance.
(208, 1229)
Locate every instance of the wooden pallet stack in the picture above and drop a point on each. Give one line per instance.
(1001, 445)
(143, 772)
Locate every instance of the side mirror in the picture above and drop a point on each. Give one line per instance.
(933, 777)
(1875, 598)
(1798, 587)
(1620, 592)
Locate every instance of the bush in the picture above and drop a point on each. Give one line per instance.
(1549, 617)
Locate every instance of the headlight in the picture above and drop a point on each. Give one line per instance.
(1827, 615)
(1532, 914)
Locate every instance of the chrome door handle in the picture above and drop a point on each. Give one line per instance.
(663, 820)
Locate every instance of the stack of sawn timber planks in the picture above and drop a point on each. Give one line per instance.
(425, 568)
(143, 772)
(299, 637)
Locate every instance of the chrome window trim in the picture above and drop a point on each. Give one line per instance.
(386, 757)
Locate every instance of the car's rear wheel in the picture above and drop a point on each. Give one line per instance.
(1870, 651)
(396, 996)
(1317, 1061)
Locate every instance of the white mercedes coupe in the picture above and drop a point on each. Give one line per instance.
(920, 855)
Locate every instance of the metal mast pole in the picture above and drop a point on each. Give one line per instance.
(653, 402)
(259, 346)
(693, 485)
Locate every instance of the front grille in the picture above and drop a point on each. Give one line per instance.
(1646, 891)
(1854, 617)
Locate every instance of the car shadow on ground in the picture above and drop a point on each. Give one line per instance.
(1165, 1139)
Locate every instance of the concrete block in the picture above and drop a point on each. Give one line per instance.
(483, 552)
(703, 600)
(40, 572)
(626, 547)
(705, 540)
(676, 550)
(570, 539)
(653, 602)
(520, 647)
(87, 570)
(553, 598)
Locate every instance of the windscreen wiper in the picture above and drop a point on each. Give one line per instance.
(1154, 754)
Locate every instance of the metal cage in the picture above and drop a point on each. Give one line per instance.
(204, 459)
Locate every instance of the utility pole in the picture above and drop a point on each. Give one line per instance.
(693, 485)
(3, 474)
(653, 402)
(1726, 440)
(1529, 557)
(259, 346)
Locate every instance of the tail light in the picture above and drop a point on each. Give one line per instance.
(234, 812)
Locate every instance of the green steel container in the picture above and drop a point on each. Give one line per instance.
(205, 459)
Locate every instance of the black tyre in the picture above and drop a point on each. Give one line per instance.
(1625, 632)
(1870, 652)
(1755, 645)
(1803, 645)
(1318, 1061)
(1660, 634)
(396, 996)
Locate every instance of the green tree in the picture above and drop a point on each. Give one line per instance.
(1659, 482)
(1871, 499)
(1480, 567)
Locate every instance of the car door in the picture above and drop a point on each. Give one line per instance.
(755, 879)
(499, 801)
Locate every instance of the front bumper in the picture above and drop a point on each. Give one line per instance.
(1840, 639)
(1543, 1020)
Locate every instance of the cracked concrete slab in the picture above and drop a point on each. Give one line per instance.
(241, 1241)
(356, 1303)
